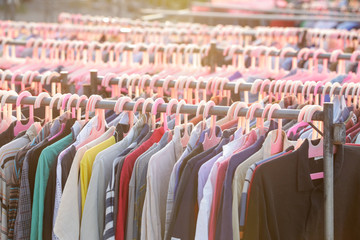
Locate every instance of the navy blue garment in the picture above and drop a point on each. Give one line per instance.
(224, 221)
(183, 217)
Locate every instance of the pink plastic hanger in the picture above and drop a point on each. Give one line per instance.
(153, 117)
(55, 98)
(62, 102)
(262, 92)
(100, 113)
(119, 106)
(355, 89)
(19, 127)
(242, 122)
(78, 109)
(211, 139)
(185, 139)
(255, 88)
(278, 145)
(332, 90)
(308, 117)
(260, 121)
(7, 110)
(286, 50)
(325, 89)
(163, 116)
(349, 97)
(341, 63)
(37, 104)
(106, 84)
(137, 103)
(70, 109)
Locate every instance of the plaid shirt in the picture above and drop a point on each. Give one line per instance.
(7, 181)
(22, 223)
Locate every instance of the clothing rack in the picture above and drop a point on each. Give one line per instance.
(44, 29)
(326, 116)
(96, 81)
(195, 49)
(213, 51)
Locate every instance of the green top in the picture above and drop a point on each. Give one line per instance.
(47, 157)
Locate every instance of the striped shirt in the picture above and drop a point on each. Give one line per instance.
(7, 182)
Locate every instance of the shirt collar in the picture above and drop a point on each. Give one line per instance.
(32, 131)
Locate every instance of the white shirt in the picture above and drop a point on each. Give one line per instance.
(92, 222)
(67, 224)
(158, 176)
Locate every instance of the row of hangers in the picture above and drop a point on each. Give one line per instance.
(72, 104)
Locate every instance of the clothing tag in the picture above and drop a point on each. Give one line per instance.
(318, 158)
(174, 238)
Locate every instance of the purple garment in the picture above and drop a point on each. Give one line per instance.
(201, 140)
(204, 173)
(183, 220)
(235, 76)
(224, 221)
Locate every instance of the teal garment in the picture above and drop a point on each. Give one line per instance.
(47, 158)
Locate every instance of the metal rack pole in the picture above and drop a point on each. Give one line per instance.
(228, 86)
(328, 171)
(130, 47)
(187, 108)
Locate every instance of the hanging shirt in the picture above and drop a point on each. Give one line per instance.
(215, 208)
(109, 229)
(157, 183)
(92, 222)
(267, 200)
(125, 178)
(15, 189)
(86, 166)
(51, 189)
(205, 169)
(131, 205)
(187, 208)
(118, 174)
(244, 195)
(7, 157)
(69, 209)
(65, 159)
(225, 214)
(23, 218)
(194, 137)
(133, 223)
(46, 159)
(240, 173)
(202, 225)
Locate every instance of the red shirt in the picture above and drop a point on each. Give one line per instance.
(125, 176)
(220, 177)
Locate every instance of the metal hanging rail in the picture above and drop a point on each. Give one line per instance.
(185, 109)
(195, 49)
(242, 87)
